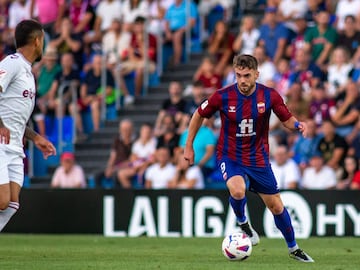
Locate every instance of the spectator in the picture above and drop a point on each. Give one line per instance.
(50, 14)
(4, 16)
(157, 9)
(220, 46)
(21, 10)
(305, 147)
(339, 71)
(142, 155)
(273, 35)
(115, 45)
(45, 73)
(290, 10)
(167, 136)
(318, 175)
(81, 15)
(305, 71)
(131, 9)
(106, 12)
(350, 39)
(67, 41)
(68, 174)
(285, 169)
(320, 39)
(160, 174)
(175, 105)
(322, 107)
(332, 147)
(92, 92)
(67, 74)
(351, 167)
(345, 8)
(355, 182)
(297, 102)
(281, 77)
(206, 74)
(296, 38)
(137, 59)
(248, 36)
(120, 149)
(186, 176)
(204, 147)
(176, 25)
(266, 67)
(197, 97)
(347, 110)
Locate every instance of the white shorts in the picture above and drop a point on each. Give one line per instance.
(11, 168)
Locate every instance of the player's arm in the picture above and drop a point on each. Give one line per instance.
(45, 146)
(195, 124)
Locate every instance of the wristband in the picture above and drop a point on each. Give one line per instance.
(297, 124)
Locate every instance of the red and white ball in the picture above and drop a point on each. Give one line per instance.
(236, 246)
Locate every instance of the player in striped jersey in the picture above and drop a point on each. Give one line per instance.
(243, 148)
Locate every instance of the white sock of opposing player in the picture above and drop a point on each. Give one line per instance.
(6, 214)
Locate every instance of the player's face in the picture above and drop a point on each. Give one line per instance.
(246, 80)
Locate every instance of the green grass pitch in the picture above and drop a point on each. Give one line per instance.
(85, 252)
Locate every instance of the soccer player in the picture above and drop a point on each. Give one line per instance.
(17, 99)
(243, 149)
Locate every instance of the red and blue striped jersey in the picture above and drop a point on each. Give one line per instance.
(245, 122)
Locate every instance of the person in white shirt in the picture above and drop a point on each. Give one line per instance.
(160, 174)
(142, 155)
(345, 8)
(17, 100)
(318, 175)
(286, 171)
(186, 176)
(21, 10)
(248, 36)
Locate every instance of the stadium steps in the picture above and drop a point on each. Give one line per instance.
(92, 154)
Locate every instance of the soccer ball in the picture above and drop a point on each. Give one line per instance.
(236, 246)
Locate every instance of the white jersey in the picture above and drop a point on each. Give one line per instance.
(17, 98)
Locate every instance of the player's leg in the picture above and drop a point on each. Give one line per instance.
(235, 182)
(237, 199)
(283, 222)
(9, 191)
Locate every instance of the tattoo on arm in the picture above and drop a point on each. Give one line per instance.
(30, 134)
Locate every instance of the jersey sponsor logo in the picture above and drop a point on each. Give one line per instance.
(28, 94)
(261, 107)
(232, 108)
(2, 73)
(246, 128)
(204, 104)
(14, 56)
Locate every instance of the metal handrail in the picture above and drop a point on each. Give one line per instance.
(72, 87)
(188, 30)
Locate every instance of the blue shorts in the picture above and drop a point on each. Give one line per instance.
(258, 179)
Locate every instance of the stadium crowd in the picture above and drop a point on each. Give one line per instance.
(308, 50)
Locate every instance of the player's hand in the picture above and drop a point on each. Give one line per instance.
(303, 129)
(45, 146)
(189, 155)
(4, 135)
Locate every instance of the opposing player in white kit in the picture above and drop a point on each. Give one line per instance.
(17, 99)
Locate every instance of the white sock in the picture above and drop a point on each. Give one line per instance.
(292, 249)
(6, 214)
